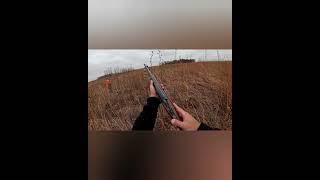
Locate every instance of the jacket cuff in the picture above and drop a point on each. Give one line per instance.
(153, 102)
(206, 127)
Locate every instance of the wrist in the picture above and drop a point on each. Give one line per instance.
(153, 95)
(153, 100)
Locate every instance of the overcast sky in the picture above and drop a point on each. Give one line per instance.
(100, 60)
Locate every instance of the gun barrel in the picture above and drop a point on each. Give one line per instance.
(163, 96)
(157, 85)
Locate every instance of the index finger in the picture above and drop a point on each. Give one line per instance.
(162, 86)
(180, 111)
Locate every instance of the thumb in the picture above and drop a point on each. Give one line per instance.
(148, 84)
(151, 84)
(177, 123)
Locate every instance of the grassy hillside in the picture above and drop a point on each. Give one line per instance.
(204, 89)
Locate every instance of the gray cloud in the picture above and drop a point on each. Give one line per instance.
(100, 60)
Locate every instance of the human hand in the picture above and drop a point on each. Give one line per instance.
(188, 123)
(152, 90)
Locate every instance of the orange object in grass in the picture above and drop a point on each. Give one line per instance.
(107, 83)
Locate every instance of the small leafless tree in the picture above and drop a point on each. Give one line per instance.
(160, 57)
(151, 58)
(218, 55)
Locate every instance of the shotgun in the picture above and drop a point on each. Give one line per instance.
(167, 104)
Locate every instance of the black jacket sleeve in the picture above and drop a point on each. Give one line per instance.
(206, 127)
(147, 118)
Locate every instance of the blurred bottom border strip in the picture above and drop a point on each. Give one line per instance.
(163, 155)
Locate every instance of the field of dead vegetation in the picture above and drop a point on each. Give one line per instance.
(204, 89)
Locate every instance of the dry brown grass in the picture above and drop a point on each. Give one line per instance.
(204, 89)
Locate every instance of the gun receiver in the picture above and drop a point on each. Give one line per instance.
(167, 104)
